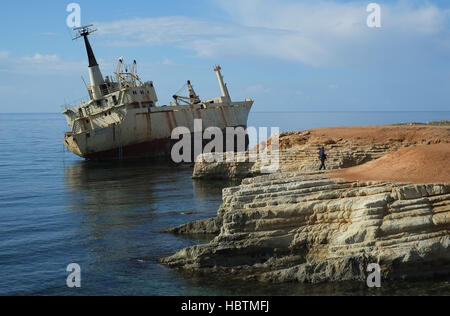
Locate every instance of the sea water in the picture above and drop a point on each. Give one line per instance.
(56, 209)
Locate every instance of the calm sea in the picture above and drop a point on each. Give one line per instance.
(56, 209)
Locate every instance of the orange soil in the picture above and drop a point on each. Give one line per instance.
(417, 164)
(368, 134)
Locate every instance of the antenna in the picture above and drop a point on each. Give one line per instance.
(85, 83)
(84, 31)
(83, 27)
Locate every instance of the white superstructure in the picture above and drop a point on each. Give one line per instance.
(121, 120)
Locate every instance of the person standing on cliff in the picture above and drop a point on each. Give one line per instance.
(323, 158)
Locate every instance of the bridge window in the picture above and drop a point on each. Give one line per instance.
(104, 89)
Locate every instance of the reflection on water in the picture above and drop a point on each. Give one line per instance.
(130, 194)
(122, 205)
(398, 288)
(119, 207)
(56, 210)
(137, 185)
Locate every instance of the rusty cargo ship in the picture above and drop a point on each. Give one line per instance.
(121, 119)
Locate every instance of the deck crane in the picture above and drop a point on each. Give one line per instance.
(192, 99)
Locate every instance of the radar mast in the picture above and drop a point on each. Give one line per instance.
(98, 87)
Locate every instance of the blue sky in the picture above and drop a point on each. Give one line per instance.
(287, 55)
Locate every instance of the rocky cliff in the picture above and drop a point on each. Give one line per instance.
(346, 147)
(307, 227)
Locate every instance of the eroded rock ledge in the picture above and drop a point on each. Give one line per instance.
(306, 227)
(208, 226)
(346, 147)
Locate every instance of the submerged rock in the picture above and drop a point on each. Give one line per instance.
(306, 227)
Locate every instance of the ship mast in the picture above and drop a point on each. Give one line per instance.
(98, 88)
(223, 86)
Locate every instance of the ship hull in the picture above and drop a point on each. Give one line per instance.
(146, 134)
(158, 149)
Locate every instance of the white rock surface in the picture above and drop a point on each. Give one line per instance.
(305, 227)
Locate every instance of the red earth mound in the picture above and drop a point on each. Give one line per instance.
(417, 164)
(368, 134)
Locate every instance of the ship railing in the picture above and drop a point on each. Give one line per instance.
(75, 103)
(77, 128)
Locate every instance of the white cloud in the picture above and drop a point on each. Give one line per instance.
(39, 59)
(167, 61)
(6, 88)
(159, 31)
(333, 86)
(311, 32)
(39, 64)
(258, 89)
(4, 54)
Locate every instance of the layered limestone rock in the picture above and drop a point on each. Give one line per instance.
(208, 226)
(309, 228)
(346, 147)
(299, 158)
(217, 166)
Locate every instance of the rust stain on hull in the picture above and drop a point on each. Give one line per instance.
(222, 111)
(122, 114)
(154, 149)
(149, 125)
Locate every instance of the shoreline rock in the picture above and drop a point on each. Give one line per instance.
(208, 226)
(346, 147)
(306, 227)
